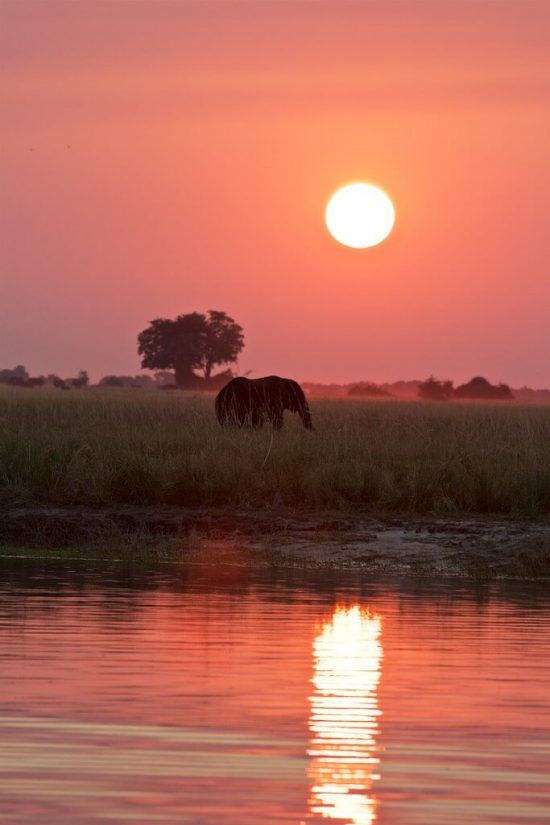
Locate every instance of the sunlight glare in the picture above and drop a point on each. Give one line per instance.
(344, 717)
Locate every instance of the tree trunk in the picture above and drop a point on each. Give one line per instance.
(185, 377)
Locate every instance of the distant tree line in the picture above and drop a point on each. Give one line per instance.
(134, 381)
(183, 352)
(161, 380)
(477, 389)
(368, 389)
(19, 377)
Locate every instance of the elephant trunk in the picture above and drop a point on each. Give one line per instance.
(305, 415)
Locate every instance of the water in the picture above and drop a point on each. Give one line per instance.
(221, 696)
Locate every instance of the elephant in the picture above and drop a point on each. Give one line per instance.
(252, 401)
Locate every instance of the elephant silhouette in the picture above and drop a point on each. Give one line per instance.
(253, 401)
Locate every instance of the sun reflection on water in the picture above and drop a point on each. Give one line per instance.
(344, 718)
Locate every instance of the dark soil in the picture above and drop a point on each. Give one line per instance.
(485, 548)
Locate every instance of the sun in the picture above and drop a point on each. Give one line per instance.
(360, 215)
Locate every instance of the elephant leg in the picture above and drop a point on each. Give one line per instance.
(257, 419)
(241, 417)
(277, 419)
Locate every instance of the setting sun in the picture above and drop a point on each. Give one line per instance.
(360, 215)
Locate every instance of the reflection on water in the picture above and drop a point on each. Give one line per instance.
(344, 717)
(220, 696)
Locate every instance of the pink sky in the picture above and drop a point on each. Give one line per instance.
(205, 139)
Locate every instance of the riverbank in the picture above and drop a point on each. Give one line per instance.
(470, 547)
(381, 487)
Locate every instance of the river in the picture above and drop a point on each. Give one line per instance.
(202, 695)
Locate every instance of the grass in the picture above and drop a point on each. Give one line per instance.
(98, 448)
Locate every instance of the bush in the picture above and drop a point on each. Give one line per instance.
(479, 388)
(434, 390)
(367, 389)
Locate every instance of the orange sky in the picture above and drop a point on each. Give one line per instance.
(205, 139)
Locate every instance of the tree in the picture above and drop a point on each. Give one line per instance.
(56, 381)
(223, 343)
(111, 381)
(368, 389)
(190, 342)
(434, 390)
(176, 345)
(82, 380)
(164, 378)
(17, 376)
(480, 388)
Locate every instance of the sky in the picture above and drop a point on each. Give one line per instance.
(166, 157)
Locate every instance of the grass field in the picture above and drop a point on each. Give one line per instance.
(97, 448)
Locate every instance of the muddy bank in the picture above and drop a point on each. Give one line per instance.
(487, 548)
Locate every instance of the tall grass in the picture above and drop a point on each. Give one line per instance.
(111, 447)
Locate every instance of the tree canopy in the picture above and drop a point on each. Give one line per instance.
(17, 375)
(434, 390)
(369, 389)
(477, 388)
(480, 388)
(191, 342)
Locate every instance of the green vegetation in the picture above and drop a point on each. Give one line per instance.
(100, 448)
